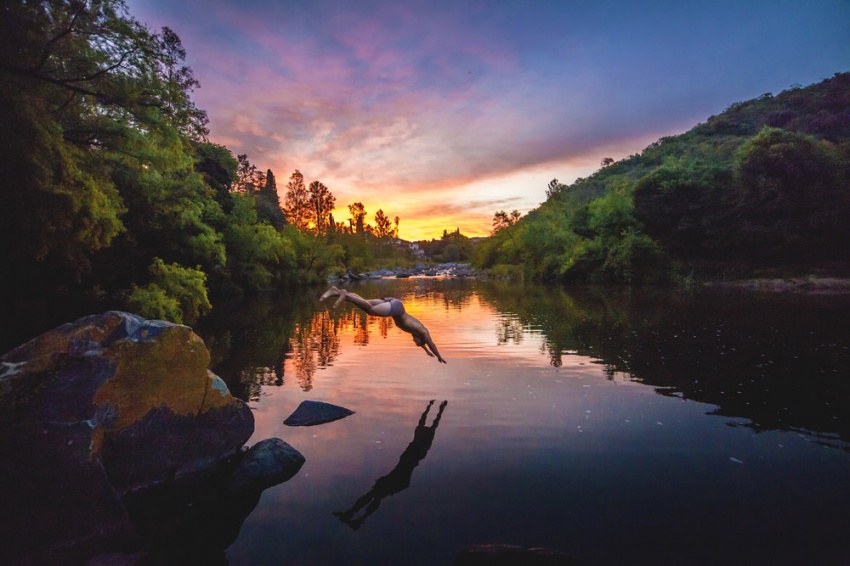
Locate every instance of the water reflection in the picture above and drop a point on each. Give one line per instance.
(777, 362)
(251, 340)
(509, 330)
(539, 448)
(190, 528)
(399, 478)
(314, 345)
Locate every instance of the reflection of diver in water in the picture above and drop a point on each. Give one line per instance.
(398, 479)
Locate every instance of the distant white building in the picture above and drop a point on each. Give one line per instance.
(417, 251)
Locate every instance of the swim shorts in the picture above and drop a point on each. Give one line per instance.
(396, 306)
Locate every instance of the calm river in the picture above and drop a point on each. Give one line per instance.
(619, 427)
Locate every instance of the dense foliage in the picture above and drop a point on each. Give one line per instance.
(452, 247)
(766, 184)
(113, 196)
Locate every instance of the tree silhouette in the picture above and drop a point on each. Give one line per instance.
(383, 225)
(358, 213)
(296, 201)
(322, 202)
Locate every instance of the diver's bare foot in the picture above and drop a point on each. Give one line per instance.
(329, 293)
(341, 297)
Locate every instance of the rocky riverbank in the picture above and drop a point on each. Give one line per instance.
(812, 284)
(419, 270)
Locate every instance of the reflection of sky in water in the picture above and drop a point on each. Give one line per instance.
(526, 453)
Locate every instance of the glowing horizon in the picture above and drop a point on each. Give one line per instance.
(442, 114)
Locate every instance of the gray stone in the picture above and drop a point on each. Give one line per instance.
(310, 413)
(267, 463)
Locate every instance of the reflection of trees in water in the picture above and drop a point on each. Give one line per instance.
(254, 378)
(509, 329)
(777, 361)
(523, 307)
(314, 345)
(361, 328)
(253, 342)
(249, 339)
(452, 294)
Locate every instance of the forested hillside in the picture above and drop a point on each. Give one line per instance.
(764, 185)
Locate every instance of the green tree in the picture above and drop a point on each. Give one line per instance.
(176, 293)
(316, 259)
(98, 119)
(250, 179)
(554, 188)
(268, 202)
(547, 243)
(218, 167)
(684, 208)
(794, 198)
(177, 83)
(259, 257)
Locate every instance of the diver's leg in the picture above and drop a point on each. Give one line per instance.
(373, 306)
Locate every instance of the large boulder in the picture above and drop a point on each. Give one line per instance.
(100, 408)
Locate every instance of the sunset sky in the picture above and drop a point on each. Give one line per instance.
(442, 113)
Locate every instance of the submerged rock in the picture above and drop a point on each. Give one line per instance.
(310, 413)
(267, 463)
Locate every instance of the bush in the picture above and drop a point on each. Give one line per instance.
(151, 301)
(177, 294)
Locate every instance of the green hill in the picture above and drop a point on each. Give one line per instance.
(764, 185)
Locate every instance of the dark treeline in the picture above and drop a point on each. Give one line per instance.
(114, 197)
(764, 186)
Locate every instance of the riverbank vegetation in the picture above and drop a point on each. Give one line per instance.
(114, 197)
(763, 187)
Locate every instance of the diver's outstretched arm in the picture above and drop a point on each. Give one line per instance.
(433, 349)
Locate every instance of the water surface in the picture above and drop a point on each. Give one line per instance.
(641, 427)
